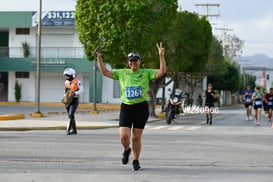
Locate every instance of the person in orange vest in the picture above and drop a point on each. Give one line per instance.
(74, 86)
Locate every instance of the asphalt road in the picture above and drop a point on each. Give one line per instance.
(231, 149)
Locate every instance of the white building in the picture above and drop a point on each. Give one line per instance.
(60, 48)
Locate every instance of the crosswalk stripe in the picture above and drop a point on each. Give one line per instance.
(175, 127)
(159, 127)
(168, 127)
(193, 128)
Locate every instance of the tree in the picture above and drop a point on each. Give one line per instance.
(216, 64)
(190, 50)
(191, 39)
(233, 46)
(124, 26)
(246, 79)
(230, 80)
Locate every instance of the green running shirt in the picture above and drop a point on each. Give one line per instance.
(134, 85)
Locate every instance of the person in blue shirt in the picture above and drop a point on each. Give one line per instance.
(247, 95)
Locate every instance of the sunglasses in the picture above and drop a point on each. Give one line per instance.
(133, 57)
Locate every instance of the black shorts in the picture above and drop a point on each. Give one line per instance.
(270, 107)
(258, 104)
(135, 115)
(247, 104)
(209, 105)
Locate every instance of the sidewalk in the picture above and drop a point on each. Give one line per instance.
(56, 119)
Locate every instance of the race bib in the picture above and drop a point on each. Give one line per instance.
(248, 100)
(258, 102)
(133, 92)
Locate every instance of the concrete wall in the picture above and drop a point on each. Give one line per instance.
(51, 87)
(108, 90)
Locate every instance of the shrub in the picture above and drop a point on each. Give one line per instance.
(17, 91)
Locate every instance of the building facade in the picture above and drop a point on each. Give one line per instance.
(60, 49)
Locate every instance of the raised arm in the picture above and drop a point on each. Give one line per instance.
(102, 67)
(162, 70)
(253, 97)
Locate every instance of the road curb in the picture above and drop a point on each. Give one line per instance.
(54, 128)
(12, 116)
(30, 128)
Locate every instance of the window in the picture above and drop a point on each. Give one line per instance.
(22, 31)
(21, 74)
(116, 89)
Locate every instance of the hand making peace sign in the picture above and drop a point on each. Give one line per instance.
(160, 49)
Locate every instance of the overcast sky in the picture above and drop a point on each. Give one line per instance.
(250, 20)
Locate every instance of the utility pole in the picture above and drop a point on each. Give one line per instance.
(223, 38)
(207, 6)
(38, 112)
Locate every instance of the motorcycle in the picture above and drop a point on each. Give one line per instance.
(174, 105)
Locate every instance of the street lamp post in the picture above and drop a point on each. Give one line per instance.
(94, 110)
(38, 112)
(94, 88)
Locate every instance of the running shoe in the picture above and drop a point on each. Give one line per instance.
(125, 156)
(250, 117)
(247, 119)
(136, 165)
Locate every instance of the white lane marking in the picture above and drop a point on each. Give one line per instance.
(158, 127)
(175, 127)
(193, 128)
